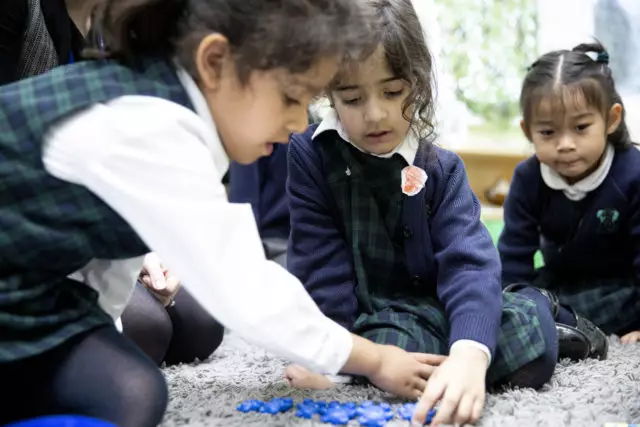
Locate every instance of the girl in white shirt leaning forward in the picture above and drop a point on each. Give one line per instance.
(104, 161)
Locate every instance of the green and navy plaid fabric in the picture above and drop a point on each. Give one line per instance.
(367, 194)
(612, 304)
(422, 326)
(50, 228)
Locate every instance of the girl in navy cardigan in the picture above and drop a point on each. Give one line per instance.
(578, 199)
(386, 234)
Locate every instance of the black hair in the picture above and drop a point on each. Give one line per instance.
(399, 32)
(580, 73)
(262, 34)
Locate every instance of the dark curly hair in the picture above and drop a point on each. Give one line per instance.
(263, 34)
(399, 32)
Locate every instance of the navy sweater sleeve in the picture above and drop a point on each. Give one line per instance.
(317, 252)
(468, 262)
(520, 238)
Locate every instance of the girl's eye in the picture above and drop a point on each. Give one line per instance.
(351, 101)
(290, 101)
(393, 94)
(583, 127)
(546, 132)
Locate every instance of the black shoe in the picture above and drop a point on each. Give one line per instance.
(599, 343)
(585, 340)
(572, 343)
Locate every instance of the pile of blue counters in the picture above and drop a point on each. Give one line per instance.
(273, 406)
(368, 413)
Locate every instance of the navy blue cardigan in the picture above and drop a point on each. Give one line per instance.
(575, 240)
(446, 245)
(263, 185)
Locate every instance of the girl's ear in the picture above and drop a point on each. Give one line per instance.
(614, 119)
(525, 129)
(211, 56)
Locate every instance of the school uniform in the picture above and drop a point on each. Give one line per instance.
(587, 233)
(102, 161)
(420, 271)
(263, 185)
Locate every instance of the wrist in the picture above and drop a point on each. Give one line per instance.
(470, 353)
(365, 358)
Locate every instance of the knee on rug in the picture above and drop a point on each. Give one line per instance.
(144, 397)
(145, 321)
(534, 374)
(196, 334)
(538, 371)
(206, 338)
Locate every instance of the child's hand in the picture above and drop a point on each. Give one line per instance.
(631, 337)
(459, 384)
(157, 279)
(402, 373)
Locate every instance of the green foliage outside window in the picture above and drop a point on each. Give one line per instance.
(487, 46)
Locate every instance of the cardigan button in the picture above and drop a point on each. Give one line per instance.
(407, 231)
(417, 281)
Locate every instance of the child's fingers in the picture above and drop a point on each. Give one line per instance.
(433, 392)
(476, 413)
(173, 285)
(631, 337)
(465, 410)
(430, 359)
(426, 371)
(153, 268)
(448, 405)
(146, 280)
(420, 386)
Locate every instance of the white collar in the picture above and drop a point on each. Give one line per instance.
(579, 190)
(220, 157)
(407, 148)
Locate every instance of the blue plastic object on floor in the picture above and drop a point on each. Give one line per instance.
(337, 415)
(273, 406)
(367, 413)
(374, 415)
(62, 421)
(406, 412)
(251, 405)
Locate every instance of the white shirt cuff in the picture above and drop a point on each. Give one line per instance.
(475, 344)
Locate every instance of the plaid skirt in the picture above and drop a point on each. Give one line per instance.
(612, 304)
(424, 328)
(55, 313)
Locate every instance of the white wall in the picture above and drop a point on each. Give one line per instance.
(565, 23)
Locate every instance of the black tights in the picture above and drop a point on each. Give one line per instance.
(177, 334)
(99, 374)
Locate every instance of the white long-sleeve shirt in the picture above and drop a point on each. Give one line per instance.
(160, 166)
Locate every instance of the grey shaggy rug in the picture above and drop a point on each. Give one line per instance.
(585, 394)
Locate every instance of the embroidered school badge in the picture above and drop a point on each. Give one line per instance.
(413, 180)
(608, 219)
